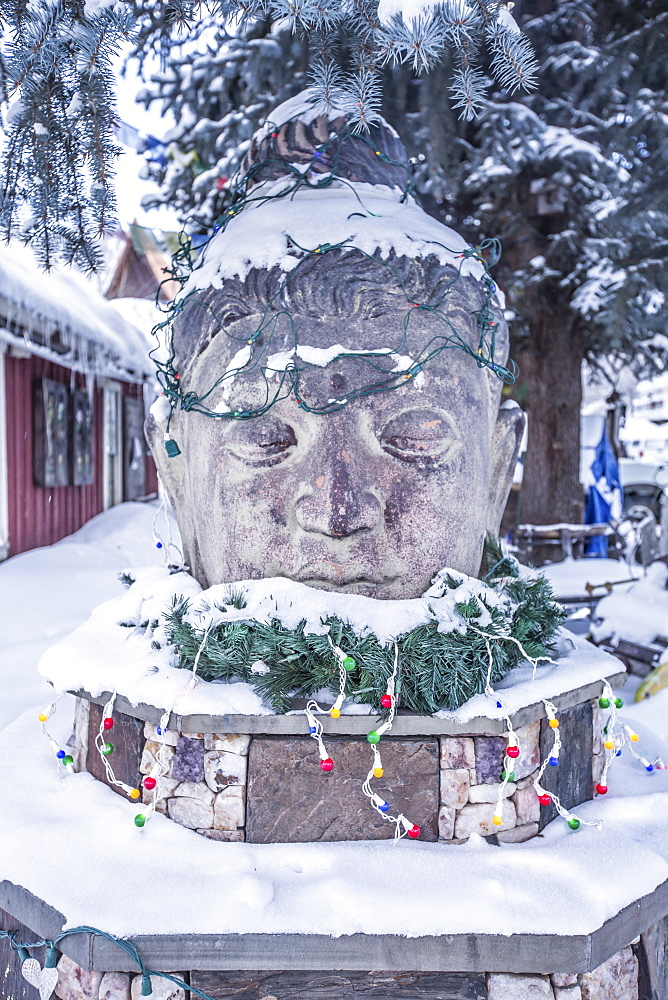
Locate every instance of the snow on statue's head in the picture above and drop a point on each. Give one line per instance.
(412, 461)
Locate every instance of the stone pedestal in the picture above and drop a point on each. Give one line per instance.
(258, 778)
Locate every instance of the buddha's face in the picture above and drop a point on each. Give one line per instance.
(373, 499)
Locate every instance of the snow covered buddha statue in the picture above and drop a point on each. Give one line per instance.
(331, 437)
(335, 377)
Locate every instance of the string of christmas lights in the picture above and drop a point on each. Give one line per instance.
(45, 979)
(259, 341)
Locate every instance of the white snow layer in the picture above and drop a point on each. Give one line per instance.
(176, 882)
(113, 650)
(65, 300)
(368, 217)
(47, 592)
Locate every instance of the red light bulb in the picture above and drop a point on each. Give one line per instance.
(513, 752)
(545, 799)
(386, 701)
(327, 764)
(149, 783)
(108, 724)
(601, 789)
(414, 832)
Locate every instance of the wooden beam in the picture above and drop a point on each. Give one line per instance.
(520, 953)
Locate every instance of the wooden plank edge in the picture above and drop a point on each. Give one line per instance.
(405, 724)
(519, 953)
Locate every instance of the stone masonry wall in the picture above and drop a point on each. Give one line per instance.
(448, 785)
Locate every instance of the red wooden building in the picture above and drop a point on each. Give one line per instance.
(73, 385)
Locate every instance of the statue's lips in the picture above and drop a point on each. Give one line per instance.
(332, 576)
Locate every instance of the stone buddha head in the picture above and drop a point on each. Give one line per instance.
(412, 459)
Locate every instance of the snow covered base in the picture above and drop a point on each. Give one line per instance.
(165, 880)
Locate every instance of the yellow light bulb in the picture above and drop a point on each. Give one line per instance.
(42, 717)
(335, 714)
(135, 793)
(554, 723)
(609, 745)
(634, 737)
(497, 820)
(378, 772)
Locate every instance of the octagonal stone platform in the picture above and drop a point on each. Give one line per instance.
(258, 779)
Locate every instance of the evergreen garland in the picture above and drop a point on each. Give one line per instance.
(437, 670)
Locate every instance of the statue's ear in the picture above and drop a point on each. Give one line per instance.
(506, 442)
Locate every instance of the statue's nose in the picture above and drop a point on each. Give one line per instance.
(336, 504)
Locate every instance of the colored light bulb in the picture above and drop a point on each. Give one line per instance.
(609, 745)
(634, 737)
(553, 723)
(649, 767)
(140, 820)
(107, 748)
(327, 764)
(335, 713)
(384, 807)
(108, 724)
(619, 703)
(135, 793)
(149, 783)
(507, 776)
(348, 663)
(373, 737)
(497, 820)
(386, 701)
(158, 730)
(67, 759)
(42, 717)
(60, 754)
(414, 832)
(378, 772)
(574, 823)
(313, 729)
(545, 799)
(601, 789)
(158, 545)
(604, 702)
(554, 761)
(513, 752)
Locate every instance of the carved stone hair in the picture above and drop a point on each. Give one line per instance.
(339, 285)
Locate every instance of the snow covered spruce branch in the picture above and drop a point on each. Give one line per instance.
(56, 74)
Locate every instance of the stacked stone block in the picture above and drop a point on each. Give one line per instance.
(207, 782)
(470, 783)
(205, 787)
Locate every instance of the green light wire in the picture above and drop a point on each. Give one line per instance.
(185, 262)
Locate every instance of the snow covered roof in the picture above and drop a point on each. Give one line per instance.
(61, 315)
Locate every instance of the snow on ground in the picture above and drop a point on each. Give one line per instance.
(563, 882)
(48, 592)
(570, 577)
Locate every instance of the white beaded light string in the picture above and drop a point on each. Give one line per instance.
(64, 759)
(153, 780)
(403, 827)
(170, 544)
(345, 663)
(105, 749)
(544, 796)
(315, 731)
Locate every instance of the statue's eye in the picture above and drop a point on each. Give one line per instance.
(262, 441)
(419, 436)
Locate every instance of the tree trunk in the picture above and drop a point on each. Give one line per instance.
(551, 369)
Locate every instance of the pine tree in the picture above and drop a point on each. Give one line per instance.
(56, 66)
(573, 179)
